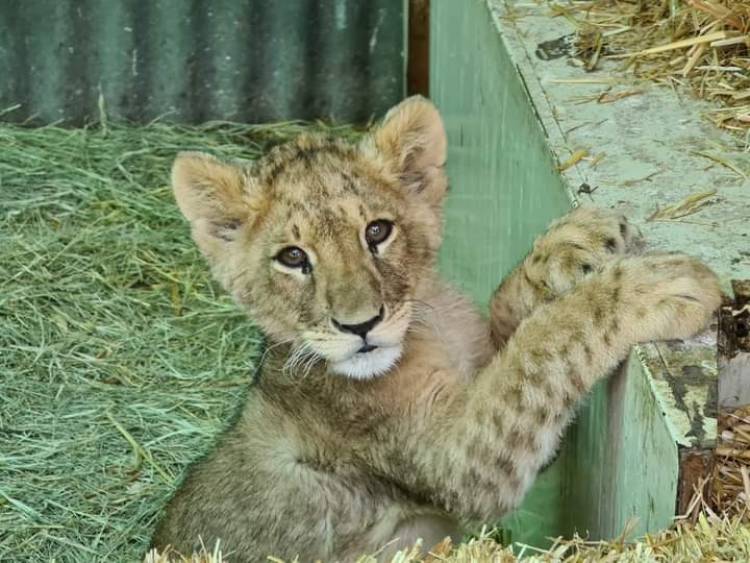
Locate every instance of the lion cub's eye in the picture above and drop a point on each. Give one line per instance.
(294, 257)
(378, 232)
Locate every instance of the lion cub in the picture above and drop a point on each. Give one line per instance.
(387, 408)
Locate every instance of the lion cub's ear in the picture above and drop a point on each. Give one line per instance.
(214, 196)
(412, 138)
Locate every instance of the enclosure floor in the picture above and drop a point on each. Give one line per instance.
(119, 359)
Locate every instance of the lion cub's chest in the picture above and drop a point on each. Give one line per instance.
(446, 353)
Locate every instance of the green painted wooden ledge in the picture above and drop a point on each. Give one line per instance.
(511, 117)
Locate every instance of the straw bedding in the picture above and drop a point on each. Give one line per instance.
(710, 539)
(703, 45)
(730, 481)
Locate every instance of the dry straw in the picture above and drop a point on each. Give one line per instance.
(701, 44)
(709, 539)
(730, 485)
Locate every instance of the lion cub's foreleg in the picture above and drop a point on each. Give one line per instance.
(479, 448)
(578, 244)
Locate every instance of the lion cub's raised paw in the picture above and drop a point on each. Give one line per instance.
(580, 243)
(662, 296)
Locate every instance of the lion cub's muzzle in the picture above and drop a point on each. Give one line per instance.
(366, 348)
(362, 329)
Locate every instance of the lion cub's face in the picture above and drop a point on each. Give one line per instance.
(327, 243)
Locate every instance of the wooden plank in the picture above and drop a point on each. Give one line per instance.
(622, 461)
(504, 186)
(510, 118)
(631, 167)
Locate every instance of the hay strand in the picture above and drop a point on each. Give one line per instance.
(687, 206)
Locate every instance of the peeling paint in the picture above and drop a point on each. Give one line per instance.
(686, 376)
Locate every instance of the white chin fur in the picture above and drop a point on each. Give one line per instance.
(372, 364)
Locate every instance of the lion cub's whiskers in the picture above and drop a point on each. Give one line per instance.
(270, 348)
(301, 350)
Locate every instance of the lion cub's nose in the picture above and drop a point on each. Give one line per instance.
(360, 329)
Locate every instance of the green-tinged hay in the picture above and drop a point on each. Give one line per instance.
(119, 359)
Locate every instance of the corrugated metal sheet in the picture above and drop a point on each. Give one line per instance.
(198, 60)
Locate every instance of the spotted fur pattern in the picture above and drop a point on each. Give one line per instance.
(327, 461)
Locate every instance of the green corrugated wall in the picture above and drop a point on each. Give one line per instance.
(197, 60)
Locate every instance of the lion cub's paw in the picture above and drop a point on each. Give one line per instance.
(664, 296)
(581, 243)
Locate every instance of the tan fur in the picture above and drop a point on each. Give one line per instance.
(328, 467)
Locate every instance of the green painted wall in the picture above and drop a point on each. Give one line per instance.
(621, 464)
(504, 185)
(619, 460)
(504, 188)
